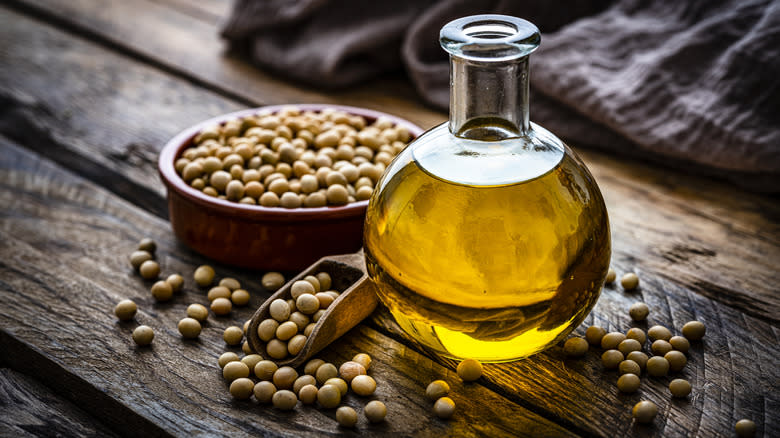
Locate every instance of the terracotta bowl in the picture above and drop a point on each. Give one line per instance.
(252, 236)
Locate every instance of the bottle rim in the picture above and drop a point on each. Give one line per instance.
(490, 38)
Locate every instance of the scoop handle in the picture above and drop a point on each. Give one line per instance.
(355, 303)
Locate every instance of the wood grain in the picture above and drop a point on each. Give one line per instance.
(30, 409)
(107, 118)
(726, 369)
(191, 47)
(703, 249)
(64, 243)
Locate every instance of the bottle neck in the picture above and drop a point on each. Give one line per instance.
(489, 100)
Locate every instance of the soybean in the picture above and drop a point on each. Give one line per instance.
(176, 281)
(284, 377)
(162, 291)
(639, 357)
(148, 245)
(230, 283)
(628, 383)
(204, 275)
(346, 416)
(340, 384)
(301, 287)
(302, 381)
(272, 281)
(325, 280)
(437, 389)
(375, 411)
(444, 407)
(221, 306)
(143, 335)
(611, 276)
(680, 343)
(226, 358)
(240, 297)
(308, 394)
(657, 366)
(284, 400)
(149, 270)
(629, 367)
(349, 370)
(276, 349)
(363, 385)
(189, 328)
(235, 370)
(629, 281)
(659, 332)
(279, 310)
(264, 391)
(661, 347)
(218, 292)
(469, 370)
(745, 428)
(233, 335)
(265, 369)
(680, 388)
(125, 310)
(694, 330)
(645, 411)
(676, 359)
(137, 258)
(637, 334)
(198, 312)
(611, 340)
(307, 304)
(629, 345)
(296, 344)
(286, 330)
(311, 366)
(594, 334)
(638, 311)
(329, 396)
(242, 388)
(575, 347)
(266, 330)
(611, 359)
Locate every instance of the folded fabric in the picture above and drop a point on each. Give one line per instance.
(691, 84)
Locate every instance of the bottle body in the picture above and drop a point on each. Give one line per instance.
(487, 249)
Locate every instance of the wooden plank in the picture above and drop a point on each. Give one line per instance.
(731, 370)
(191, 47)
(106, 118)
(649, 204)
(31, 410)
(703, 234)
(64, 244)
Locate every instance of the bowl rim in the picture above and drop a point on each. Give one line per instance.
(174, 182)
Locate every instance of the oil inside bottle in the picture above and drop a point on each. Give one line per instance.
(485, 245)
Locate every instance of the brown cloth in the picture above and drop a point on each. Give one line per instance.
(692, 84)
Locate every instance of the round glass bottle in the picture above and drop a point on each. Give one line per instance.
(487, 236)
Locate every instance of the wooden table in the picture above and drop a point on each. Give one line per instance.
(90, 92)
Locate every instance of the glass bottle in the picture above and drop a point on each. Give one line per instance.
(487, 236)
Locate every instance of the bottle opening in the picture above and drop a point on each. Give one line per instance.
(489, 38)
(489, 29)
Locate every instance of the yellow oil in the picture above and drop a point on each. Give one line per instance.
(476, 264)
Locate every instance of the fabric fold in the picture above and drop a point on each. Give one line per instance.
(692, 84)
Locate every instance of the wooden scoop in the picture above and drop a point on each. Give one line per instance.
(357, 300)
